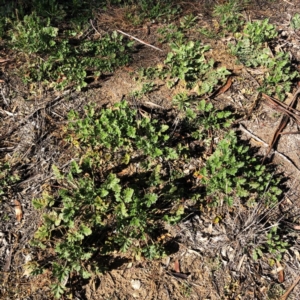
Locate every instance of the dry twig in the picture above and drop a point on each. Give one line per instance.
(286, 294)
(266, 144)
(289, 2)
(95, 28)
(283, 122)
(283, 108)
(140, 41)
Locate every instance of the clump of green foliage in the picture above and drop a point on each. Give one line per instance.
(234, 172)
(62, 58)
(56, 57)
(274, 243)
(33, 35)
(7, 178)
(141, 10)
(177, 34)
(251, 50)
(73, 12)
(54, 60)
(295, 21)
(249, 47)
(230, 15)
(260, 31)
(171, 34)
(102, 207)
(187, 63)
(125, 214)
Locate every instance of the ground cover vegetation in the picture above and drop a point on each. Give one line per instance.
(133, 172)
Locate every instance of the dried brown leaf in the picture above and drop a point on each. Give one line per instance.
(225, 87)
(179, 275)
(18, 210)
(2, 60)
(280, 272)
(286, 294)
(176, 266)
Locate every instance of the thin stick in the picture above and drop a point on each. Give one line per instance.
(142, 42)
(282, 107)
(3, 97)
(283, 122)
(289, 2)
(95, 28)
(286, 294)
(265, 144)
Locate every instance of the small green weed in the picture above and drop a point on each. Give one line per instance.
(280, 77)
(230, 15)
(251, 51)
(295, 21)
(274, 244)
(177, 34)
(232, 172)
(186, 289)
(249, 54)
(260, 31)
(182, 101)
(187, 63)
(202, 118)
(119, 129)
(188, 21)
(152, 10)
(171, 34)
(208, 32)
(33, 35)
(146, 88)
(58, 63)
(275, 291)
(6, 178)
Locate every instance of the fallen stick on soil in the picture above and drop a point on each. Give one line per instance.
(140, 41)
(283, 108)
(289, 2)
(283, 122)
(266, 144)
(286, 294)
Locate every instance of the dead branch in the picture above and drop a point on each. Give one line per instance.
(286, 294)
(282, 107)
(283, 122)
